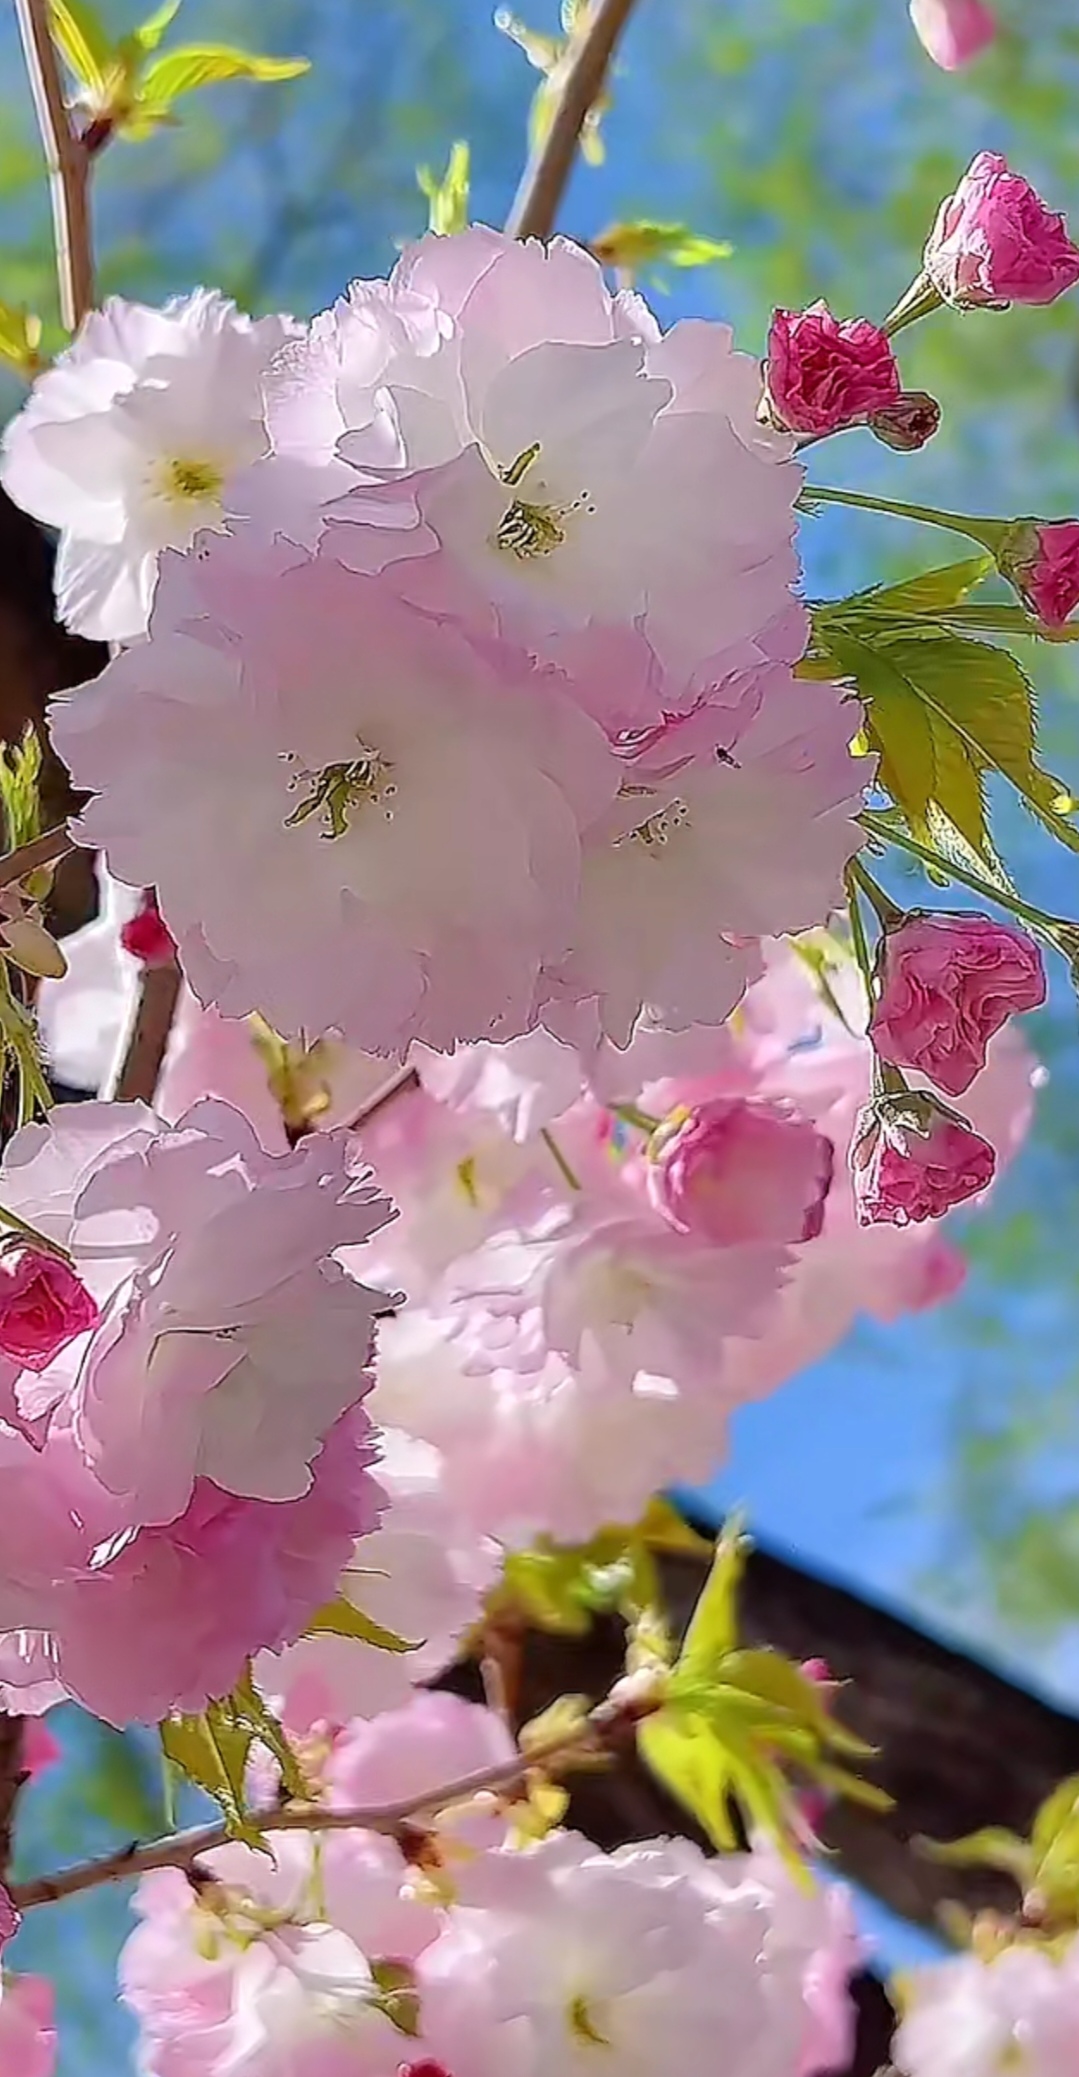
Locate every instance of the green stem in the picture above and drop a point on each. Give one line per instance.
(988, 533)
(859, 940)
(1000, 897)
(919, 300)
(559, 1159)
(885, 909)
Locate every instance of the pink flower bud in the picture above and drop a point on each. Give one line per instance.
(1041, 558)
(146, 936)
(822, 373)
(995, 242)
(43, 1306)
(909, 422)
(736, 1170)
(948, 982)
(952, 31)
(913, 1159)
(818, 1671)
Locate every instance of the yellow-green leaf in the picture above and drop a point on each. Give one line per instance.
(982, 695)
(205, 65)
(149, 33)
(83, 42)
(634, 246)
(925, 765)
(992, 1847)
(341, 1618)
(687, 1756)
(931, 592)
(448, 198)
(713, 1629)
(20, 338)
(213, 1756)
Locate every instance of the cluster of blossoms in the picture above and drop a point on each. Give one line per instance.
(458, 732)
(344, 1956)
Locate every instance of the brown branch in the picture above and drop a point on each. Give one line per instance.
(46, 849)
(600, 1729)
(148, 1039)
(68, 162)
(535, 204)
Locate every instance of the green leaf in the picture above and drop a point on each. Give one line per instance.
(20, 803)
(983, 696)
(992, 1847)
(212, 1749)
(1055, 1815)
(20, 338)
(690, 1759)
(713, 1629)
(213, 1756)
(200, 65)
(924, 765)
(638, 245)
(448, 197)
(83, 41)
(932, 592)
(149, 33)
(341, 1618)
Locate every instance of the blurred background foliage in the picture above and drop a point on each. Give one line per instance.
(816, 137)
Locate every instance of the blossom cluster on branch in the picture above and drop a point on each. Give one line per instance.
(471, 766)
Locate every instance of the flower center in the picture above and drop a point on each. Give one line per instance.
(339, 789)
(658, 830)
(528, 528)
(192, 482)
(583, 2025)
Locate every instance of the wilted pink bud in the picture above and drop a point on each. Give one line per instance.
(822, 373)
(909, 422)
(737, 1170)
(913, 1159)
(1041, 558)
(995, 242)
(43, 1306)
(952, 31)
(146, 936)
(948, 982)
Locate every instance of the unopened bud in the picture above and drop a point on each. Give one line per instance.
(908, 422)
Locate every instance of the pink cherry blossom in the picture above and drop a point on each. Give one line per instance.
(1043, 563)
(136, 1623)
(410, 890)
(214, 1989)
(27, 2033)
(969, 2017)
(507, 397)
(824, 372)
(422, 1573)
(43, 1306)
(947, 984)
(407, 1753)
(953, 31)
(995, 242)
(127, 443)
(229, 1339)
(734, 1171)
(914, 1160)
(732, 823)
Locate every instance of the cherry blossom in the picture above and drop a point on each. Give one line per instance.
(128, 441)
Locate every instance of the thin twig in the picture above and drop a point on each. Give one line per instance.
(68, 162)
(47, 849)
(535, 205)
(183, 1849)
(148, 1038)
